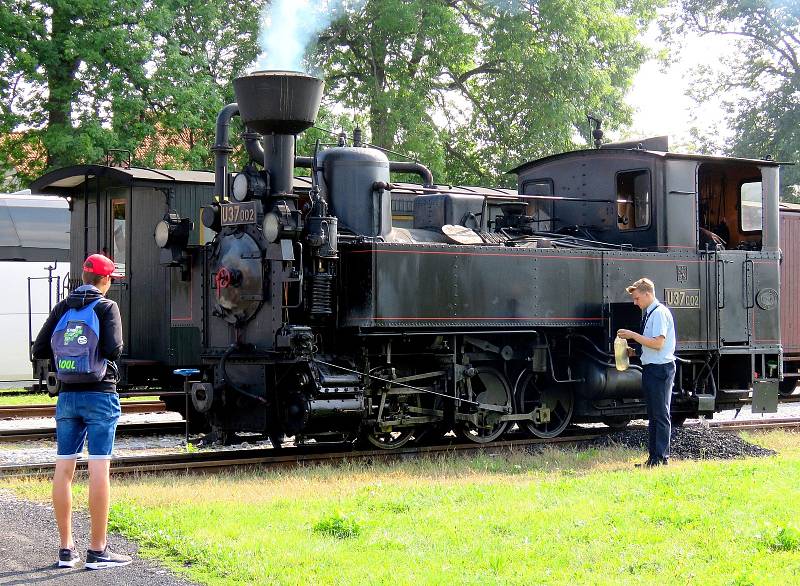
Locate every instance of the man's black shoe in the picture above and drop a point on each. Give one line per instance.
(67, 558)
(658, 462)
(99, 560)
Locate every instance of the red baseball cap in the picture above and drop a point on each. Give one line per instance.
(100, 265)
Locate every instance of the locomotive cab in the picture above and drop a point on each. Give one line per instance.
(655, 200)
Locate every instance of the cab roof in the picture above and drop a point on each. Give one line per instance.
(644, 153)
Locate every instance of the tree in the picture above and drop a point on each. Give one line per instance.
(474, 88)
(78, 77)
(760, 79)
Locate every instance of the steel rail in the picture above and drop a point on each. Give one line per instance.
(126, 429)
(288, 457)
(46, 410)
(307, 455)
(299, 456)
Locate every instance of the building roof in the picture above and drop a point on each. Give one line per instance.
(69, 177)
(33, 228)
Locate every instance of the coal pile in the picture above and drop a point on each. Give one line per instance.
(691, 443)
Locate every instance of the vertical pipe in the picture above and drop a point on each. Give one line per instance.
(279, 161)
(222, 149)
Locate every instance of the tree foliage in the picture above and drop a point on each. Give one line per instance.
(78, 77)
(473, 88)
(759, 80)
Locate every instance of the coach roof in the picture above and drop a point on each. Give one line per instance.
(68, 177)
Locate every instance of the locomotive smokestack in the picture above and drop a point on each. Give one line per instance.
(279, 105)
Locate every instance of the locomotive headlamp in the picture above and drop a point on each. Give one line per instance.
(240, 187)
(249, 184)
(162, 234)
(283, 221)
(271, 226)
(173, 231)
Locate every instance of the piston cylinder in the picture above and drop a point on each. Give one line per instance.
(606, 382)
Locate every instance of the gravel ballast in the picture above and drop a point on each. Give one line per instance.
(691, 443)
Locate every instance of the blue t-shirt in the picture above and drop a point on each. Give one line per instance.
(659, 323)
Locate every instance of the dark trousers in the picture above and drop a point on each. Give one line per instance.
(657, 382)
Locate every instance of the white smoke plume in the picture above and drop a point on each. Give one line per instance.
(288, 26)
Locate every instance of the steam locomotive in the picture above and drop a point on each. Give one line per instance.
(314, 314)
(324, 321)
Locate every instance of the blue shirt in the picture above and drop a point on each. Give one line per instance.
(659, 323)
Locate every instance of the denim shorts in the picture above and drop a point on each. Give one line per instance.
(82, 415)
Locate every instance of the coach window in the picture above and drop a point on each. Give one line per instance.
(541, 210)
(633, 199)
(118, 235)
(750, 210)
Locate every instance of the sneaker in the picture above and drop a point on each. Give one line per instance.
(67, 558)
(98, 560)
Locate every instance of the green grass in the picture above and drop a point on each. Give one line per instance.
(559, 517)
(44, 399)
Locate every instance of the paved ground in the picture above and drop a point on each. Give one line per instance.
(29, 547)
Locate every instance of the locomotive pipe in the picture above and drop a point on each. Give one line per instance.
(222, 149)
(252, 142)
(279, 161)
(415, 168)
(394, 167)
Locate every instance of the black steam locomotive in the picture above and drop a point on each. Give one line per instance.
(322, 320)
(309, 312)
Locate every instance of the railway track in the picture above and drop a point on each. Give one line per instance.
(308, 455)
(20, 411)
(123, 429)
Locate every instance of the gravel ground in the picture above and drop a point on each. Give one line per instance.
(29, 549)
(690, 443)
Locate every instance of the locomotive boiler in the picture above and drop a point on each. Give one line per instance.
(322, 320)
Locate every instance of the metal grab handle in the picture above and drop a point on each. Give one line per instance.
(720, 284)
(749, 286)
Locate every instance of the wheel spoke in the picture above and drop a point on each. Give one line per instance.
(557, 398)
(491, 388)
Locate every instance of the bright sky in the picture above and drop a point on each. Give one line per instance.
(658, 92)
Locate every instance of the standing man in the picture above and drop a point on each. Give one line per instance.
(83, 338)
(658, 366)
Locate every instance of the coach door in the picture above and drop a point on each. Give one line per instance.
(117, 249)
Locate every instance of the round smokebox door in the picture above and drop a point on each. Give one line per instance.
(237, 278)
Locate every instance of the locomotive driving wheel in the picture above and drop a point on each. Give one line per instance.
(488, 386)
(390, 440)
(393, 408)
(556, 399)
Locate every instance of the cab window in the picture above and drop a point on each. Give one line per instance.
(633, 199)
(541, 210)
(750, 208)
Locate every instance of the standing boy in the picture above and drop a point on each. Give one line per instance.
(83, 338)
